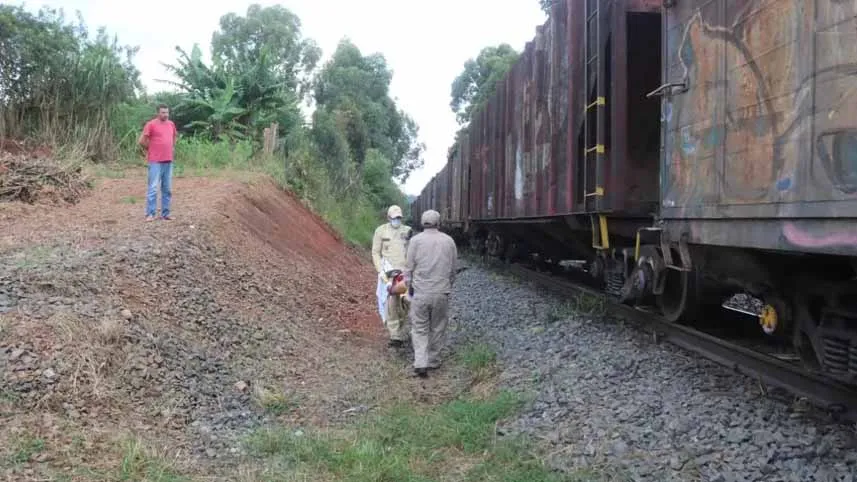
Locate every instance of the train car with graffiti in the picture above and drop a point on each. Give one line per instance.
(686, 150)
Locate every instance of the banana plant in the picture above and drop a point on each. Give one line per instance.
(217, 111)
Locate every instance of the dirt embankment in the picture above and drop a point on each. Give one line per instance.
(183, 334)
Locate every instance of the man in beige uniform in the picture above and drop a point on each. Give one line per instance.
(389, 249)
(430, 270)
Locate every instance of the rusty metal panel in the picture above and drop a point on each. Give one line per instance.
(647, 6)
(448, 182)
(517, 140)
(474, 171)
(509, 144)
(575, 19)
(558, 105)
(488, 160)
(501, 150)
(832, 174)
(441, 186)
(432, 200)
(497, 153)
(692, 150)
(525, 130)
(758, 106)
(542, 124)
(483, 146)
(530, 153)
(768, 126)
(466, 190)
(476, 167)
(455, 179)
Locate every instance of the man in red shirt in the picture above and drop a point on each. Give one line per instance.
(159, 138)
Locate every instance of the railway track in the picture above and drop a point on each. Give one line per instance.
(839, 399)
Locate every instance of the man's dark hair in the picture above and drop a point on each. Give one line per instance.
(163, 106)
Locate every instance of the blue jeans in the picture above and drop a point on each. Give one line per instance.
(159, 173)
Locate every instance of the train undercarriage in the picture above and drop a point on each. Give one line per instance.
(803, 306)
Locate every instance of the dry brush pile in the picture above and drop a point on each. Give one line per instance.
(31, 178)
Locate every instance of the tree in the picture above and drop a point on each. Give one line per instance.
(353, 91)
(59, 84)
(275, 30)
(228, 105)
(479, 79)
(547, 5)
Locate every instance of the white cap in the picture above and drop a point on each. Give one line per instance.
(394, 212)
(430, 218)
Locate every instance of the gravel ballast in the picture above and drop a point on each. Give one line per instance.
(609, 399)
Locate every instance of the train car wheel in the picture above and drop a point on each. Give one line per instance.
(679, 302)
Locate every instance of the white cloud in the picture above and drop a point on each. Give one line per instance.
(425, 43)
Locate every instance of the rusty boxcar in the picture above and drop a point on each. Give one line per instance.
(446, 193)
(687, 150)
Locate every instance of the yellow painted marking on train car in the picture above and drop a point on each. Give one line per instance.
(599, 148)
(598, 101)
(592, 228)
(637, 247)
(604, 232)
(605, 239)
(599, 191)
(768, 319)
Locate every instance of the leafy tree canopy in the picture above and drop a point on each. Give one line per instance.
(478, 80)
(352, 91)
(55, 76)
(547, 5)
(270, 31)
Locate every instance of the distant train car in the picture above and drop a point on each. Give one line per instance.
(686, 150)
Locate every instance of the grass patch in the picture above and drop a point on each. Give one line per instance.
(141, 464)
(562, 311)
(587, 304)
(24, 448)
(480, 362)
(477, 357)
(408, 443)
(581, 304)
(34, 257)
(273, 401)
(108, 171)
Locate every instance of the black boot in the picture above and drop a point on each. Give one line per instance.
(421, 372)
(395, 343)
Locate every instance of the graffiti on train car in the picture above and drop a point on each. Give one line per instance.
(763, 79)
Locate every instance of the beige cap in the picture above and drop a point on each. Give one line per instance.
(430, 218)
(394, 212)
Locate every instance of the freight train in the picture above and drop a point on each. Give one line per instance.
(685, 151)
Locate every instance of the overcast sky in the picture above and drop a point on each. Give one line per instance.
(425, 42)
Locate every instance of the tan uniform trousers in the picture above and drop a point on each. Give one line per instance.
(397, 317)
(429, 317)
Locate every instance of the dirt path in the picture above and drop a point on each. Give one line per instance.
(125, 345)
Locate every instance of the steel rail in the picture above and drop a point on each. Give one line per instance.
(823, 392)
